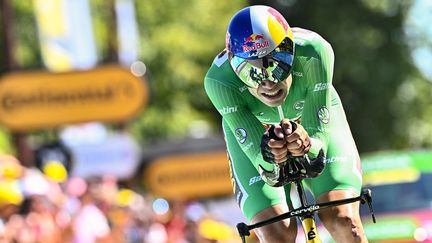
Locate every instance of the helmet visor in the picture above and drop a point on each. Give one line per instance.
(275, 67)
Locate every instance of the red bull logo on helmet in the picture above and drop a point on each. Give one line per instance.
(253, 38)
(255, 42)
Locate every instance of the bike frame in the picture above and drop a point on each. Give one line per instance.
(306, 214)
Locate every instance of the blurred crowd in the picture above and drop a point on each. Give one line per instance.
(46, 205)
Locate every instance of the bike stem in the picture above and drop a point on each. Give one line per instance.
(301, 193)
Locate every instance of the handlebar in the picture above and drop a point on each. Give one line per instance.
(294, 169)
(306, 211)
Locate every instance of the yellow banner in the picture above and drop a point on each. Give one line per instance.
(65, 34)
(36, 100)
(197, 175)
(391, 176)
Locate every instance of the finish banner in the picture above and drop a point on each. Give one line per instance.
(37, 100)
(189, 176)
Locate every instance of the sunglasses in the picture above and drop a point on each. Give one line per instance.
(275, 67)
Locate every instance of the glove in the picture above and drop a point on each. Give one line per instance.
(265, 148)
(298, 142)
(273, 145)
(286, 146)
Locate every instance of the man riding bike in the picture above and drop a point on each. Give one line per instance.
(269, 71)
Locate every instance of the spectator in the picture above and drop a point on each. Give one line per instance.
(46, 205)
(90, 224)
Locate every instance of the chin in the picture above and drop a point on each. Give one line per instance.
(273, 103)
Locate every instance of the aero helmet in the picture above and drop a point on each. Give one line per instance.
(260, 44)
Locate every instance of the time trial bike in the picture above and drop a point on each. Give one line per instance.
(294, 171)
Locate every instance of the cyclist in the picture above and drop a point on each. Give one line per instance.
(268, 71)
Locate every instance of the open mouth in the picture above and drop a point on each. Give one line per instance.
(272, 94)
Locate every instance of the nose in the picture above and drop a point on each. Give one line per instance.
(267, 84)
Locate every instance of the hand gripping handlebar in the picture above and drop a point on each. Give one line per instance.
(293, 169)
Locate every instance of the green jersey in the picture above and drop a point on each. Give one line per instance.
(311, 101)
(308, 97)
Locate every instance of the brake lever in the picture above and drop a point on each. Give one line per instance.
(367, 198)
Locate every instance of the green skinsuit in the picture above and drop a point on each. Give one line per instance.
(312, 101)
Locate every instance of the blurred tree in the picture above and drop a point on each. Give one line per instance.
(385, 97)
(372, 61)
(104, 29)
(414, 94)
(179, 40)
(26, 50)
(2, 38)
(5, 143)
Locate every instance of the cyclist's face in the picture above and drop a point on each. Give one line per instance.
(270, 93)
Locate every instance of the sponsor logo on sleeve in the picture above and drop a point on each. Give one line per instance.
(241, 135)
(254, 180)
(243, 89)
(227, 110)
(321, 86)
(324, 115)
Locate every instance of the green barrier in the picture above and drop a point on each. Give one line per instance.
(387, 229)
(395, 166)
(419, 160)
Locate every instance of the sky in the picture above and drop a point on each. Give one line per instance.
(419, 32)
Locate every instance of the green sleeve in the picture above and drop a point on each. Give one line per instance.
(319, 72)
(231, 105)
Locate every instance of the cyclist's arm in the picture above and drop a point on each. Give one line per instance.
(245, 126)
(316, 113)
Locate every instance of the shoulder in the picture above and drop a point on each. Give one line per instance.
(314, 57)
(221, 73)
(310, 44)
